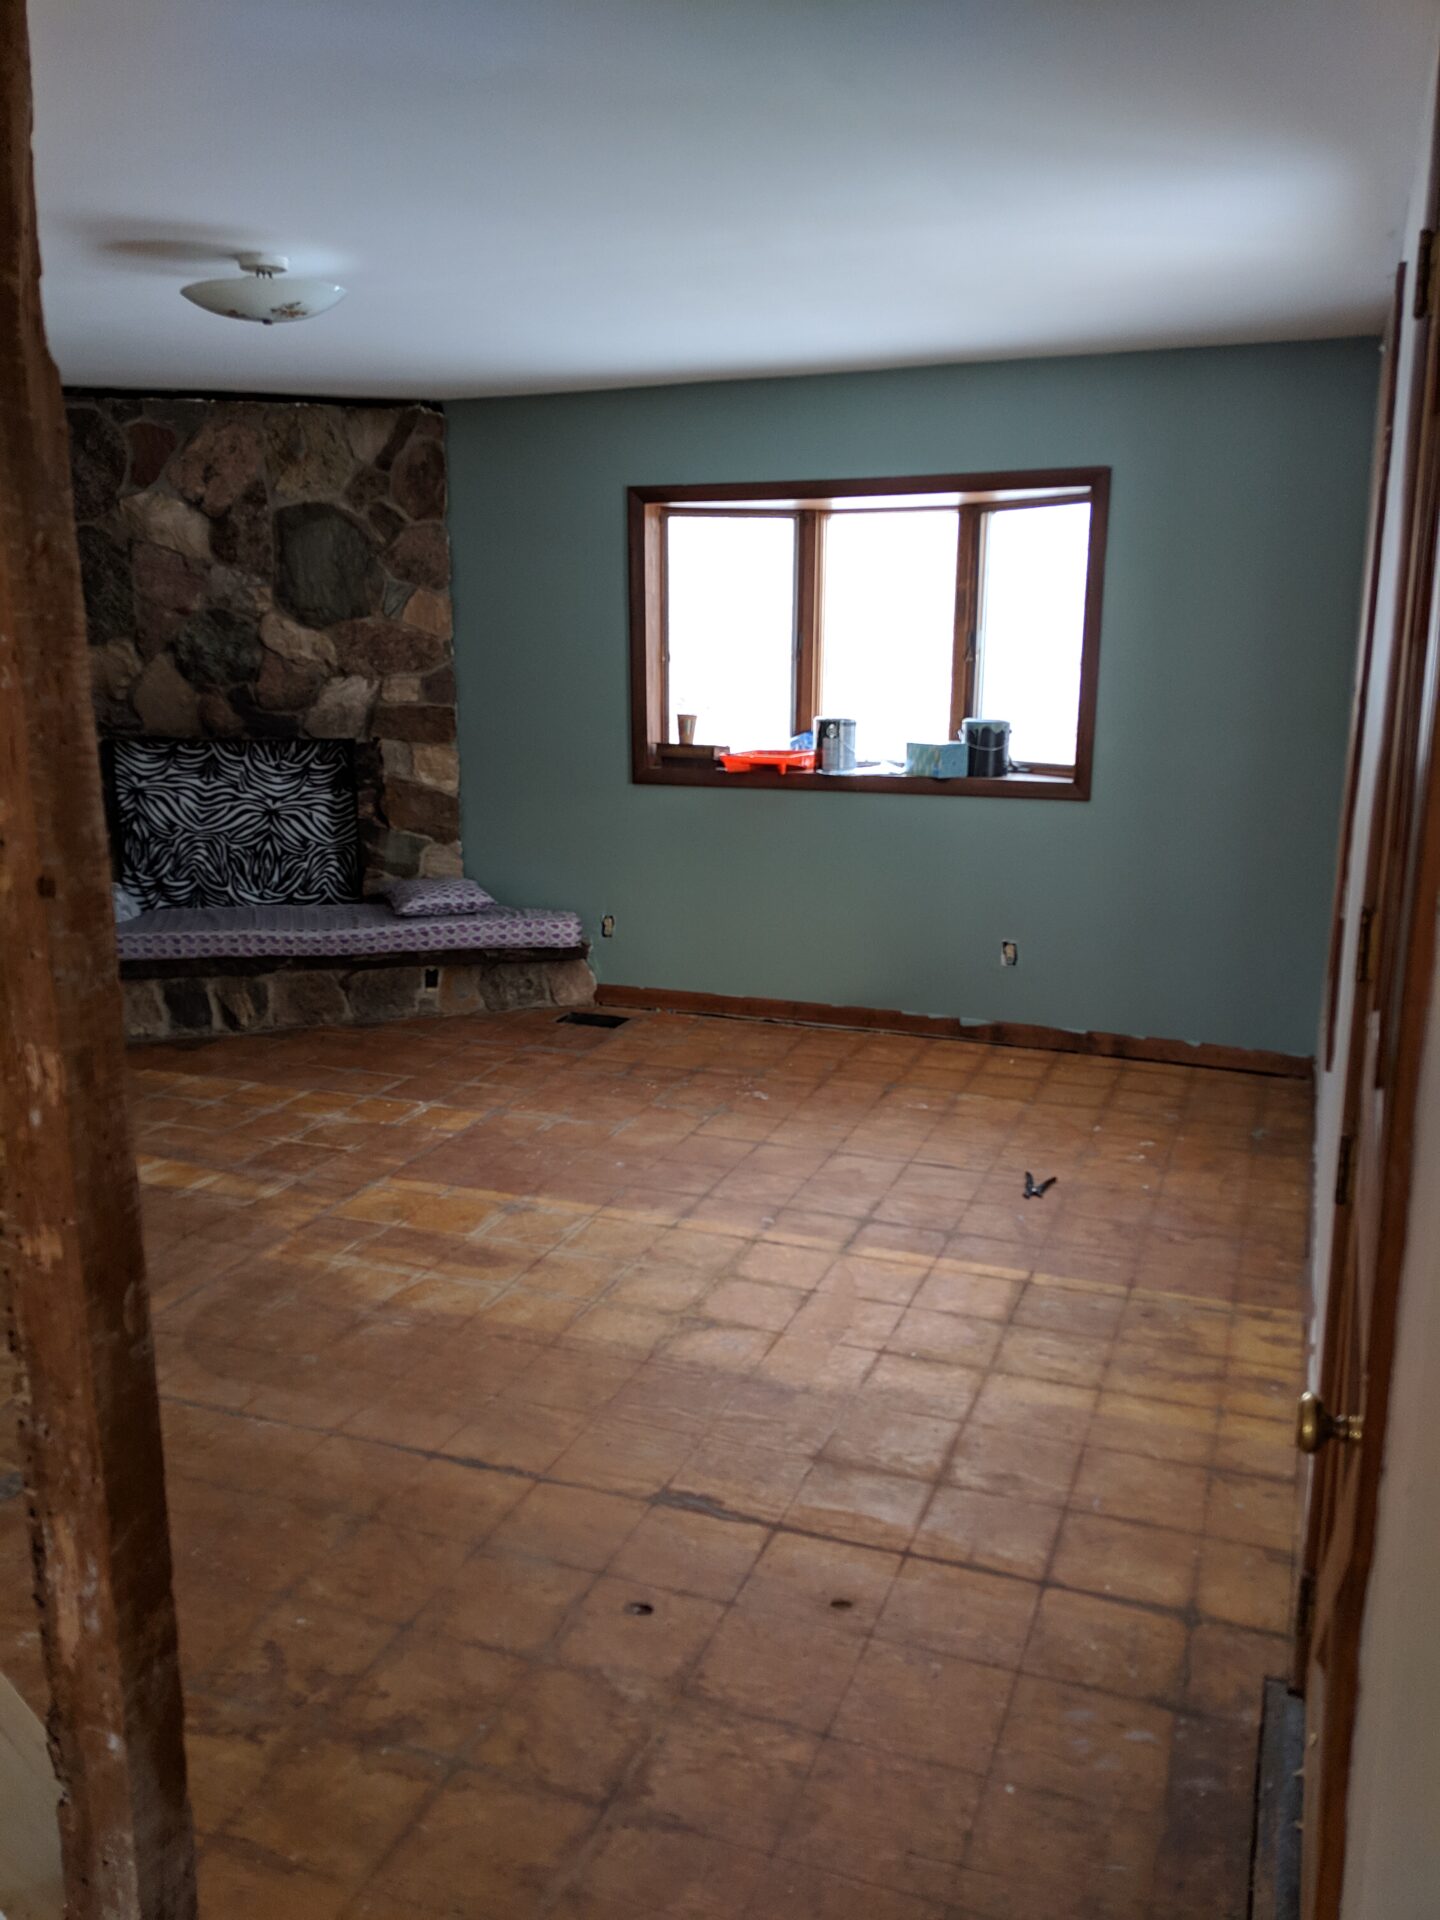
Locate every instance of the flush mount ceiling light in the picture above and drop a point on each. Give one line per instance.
(264, 292)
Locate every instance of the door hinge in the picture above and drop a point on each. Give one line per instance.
(1364, 944)
(1344, 1166)
(1425, 261)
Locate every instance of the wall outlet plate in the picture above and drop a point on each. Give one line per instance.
(1009, 953)
(607, 927)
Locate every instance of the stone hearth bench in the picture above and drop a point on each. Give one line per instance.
(350, 928)
(191, 971)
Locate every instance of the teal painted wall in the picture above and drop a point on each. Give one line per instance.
(1187, 899)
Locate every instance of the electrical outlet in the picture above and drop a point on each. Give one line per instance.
(1009, 953)
(607, 927)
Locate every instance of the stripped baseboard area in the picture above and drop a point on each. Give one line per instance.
(1009, 1034)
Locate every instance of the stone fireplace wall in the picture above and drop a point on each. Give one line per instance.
(268, 569)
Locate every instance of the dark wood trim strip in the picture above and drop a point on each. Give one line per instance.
(1090, 658)
(967, 618)
(646, 636)
(657, 685)
(1026, 480)
(1375, 544)
(931, 1026)
(720, 511)
(809, 615)
(1036, 500)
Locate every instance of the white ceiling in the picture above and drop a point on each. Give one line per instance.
(535, 194)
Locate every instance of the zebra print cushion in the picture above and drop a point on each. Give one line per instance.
(214, 823)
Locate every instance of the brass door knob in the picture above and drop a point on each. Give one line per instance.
(1314, 1426)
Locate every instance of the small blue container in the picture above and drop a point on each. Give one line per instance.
(945, 760)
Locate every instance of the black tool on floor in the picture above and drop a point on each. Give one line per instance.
(593, 1019)
(1034, 1192)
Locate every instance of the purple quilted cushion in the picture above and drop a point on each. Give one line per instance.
(420, 899)
(357, 927)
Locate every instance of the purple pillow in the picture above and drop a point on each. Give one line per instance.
(426, 899)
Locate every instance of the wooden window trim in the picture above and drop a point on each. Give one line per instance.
(809, 614)
(967, 617)
(808, 504)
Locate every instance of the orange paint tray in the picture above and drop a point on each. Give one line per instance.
(789, 760)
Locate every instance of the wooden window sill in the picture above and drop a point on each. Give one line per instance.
(1010, 786)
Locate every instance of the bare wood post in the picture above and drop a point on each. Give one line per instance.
(74, 1265)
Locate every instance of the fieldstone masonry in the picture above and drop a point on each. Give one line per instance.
(191, 1007)
(266, 569)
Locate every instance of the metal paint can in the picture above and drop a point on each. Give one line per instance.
(989, 744)
(835, 745)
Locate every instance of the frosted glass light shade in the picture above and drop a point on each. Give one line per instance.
(268, 301)
(266, 294)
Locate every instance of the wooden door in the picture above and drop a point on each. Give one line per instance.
(1380, 1047)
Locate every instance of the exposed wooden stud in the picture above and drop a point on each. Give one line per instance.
(73, 1268)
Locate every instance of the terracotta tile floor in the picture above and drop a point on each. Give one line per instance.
(671, 1471)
